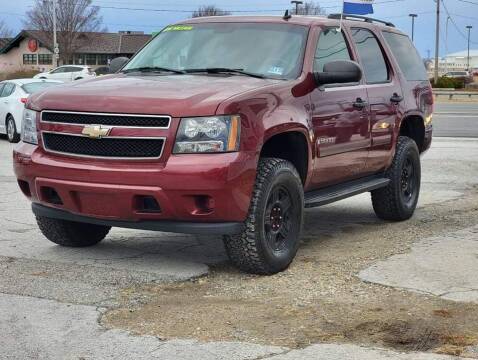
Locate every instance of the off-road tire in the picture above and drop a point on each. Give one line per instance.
(253, 250)
(15, 136)
(389, 202)
(71, 234)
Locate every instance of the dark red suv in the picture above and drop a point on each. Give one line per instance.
(232, 126)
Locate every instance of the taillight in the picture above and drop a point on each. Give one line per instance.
(24, 100)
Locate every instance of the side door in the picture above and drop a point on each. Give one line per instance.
(7, 99)
(67, 74)
(3, 110)
(384, 95)
(57, 73)
(340, 117)
(7, 102)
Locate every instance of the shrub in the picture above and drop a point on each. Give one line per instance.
(18, 74)
(448, 83)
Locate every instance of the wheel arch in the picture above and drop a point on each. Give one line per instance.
(413, 126)
(6, 117)
(291, 145)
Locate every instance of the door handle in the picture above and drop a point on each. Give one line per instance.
(360, 104)
(396, 98)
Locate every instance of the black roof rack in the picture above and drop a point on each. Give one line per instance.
(359, 17)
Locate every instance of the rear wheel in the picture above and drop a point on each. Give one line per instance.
(71, 234)
(399, 199)
(12, 134)
(270, 239)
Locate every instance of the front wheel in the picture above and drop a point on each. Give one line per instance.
(71, 234)
(270, 239)
(12, 134)
(398, 200)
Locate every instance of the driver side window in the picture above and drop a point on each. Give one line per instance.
(332, 46)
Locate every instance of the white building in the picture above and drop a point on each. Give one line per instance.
(457, 62)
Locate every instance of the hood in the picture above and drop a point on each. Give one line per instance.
(174, 95)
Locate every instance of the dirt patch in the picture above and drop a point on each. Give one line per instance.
(320, 298)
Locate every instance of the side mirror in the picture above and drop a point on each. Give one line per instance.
(117, 63)
(339, 72)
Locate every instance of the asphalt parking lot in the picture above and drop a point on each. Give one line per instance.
(360, 288)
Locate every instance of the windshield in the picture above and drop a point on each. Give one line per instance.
(269, 50)
(37, 86)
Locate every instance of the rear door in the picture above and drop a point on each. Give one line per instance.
(384, 96)
(7, 100)
(76, 72)
(340, 117)
(417, 91)
(69, 73)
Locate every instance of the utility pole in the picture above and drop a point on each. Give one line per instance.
(56, 52)
(437, 42)
(297, 3)
(469, 27)
(446, 44)
(413, 16)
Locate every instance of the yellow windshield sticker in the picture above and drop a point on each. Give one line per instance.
(179, 28)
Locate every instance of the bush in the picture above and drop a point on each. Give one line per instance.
(448, 83)
(18, 74)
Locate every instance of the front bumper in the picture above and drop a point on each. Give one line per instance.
(199, 188)
(224, 228)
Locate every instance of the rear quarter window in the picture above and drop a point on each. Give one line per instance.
(406, 56)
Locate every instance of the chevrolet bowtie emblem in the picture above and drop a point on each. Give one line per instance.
(95, 131)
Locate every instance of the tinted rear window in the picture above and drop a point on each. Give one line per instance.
(407, 56)
(37, 86)
(371, 56)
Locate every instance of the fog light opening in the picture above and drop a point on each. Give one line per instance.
(147, 204)
(204, 204)
(51, 196)
(25, 188)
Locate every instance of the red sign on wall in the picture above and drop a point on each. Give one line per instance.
(32, 45)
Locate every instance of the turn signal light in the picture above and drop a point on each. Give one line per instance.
(24, 100)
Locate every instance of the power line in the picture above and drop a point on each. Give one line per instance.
(225, 9)
(454, 23)
(468, 2)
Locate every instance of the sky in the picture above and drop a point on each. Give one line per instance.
(156, 14)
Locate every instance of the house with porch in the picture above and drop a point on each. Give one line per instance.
(32, 50)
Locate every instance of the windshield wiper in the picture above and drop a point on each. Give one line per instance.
(153, 69)
(223, 70)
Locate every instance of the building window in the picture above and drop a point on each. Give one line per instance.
(45, 59)
(29, 59)
(79, 59)
(103, 59)
(90, 59)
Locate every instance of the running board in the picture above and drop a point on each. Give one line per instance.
(342, 191)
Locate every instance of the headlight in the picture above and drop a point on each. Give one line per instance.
(29, 127)
(208, 134)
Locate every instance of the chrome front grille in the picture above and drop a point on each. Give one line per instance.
(108, 119)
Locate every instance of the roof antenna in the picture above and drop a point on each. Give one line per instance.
(287, 16)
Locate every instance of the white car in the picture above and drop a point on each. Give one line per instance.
(13, 96)
(67, 73)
